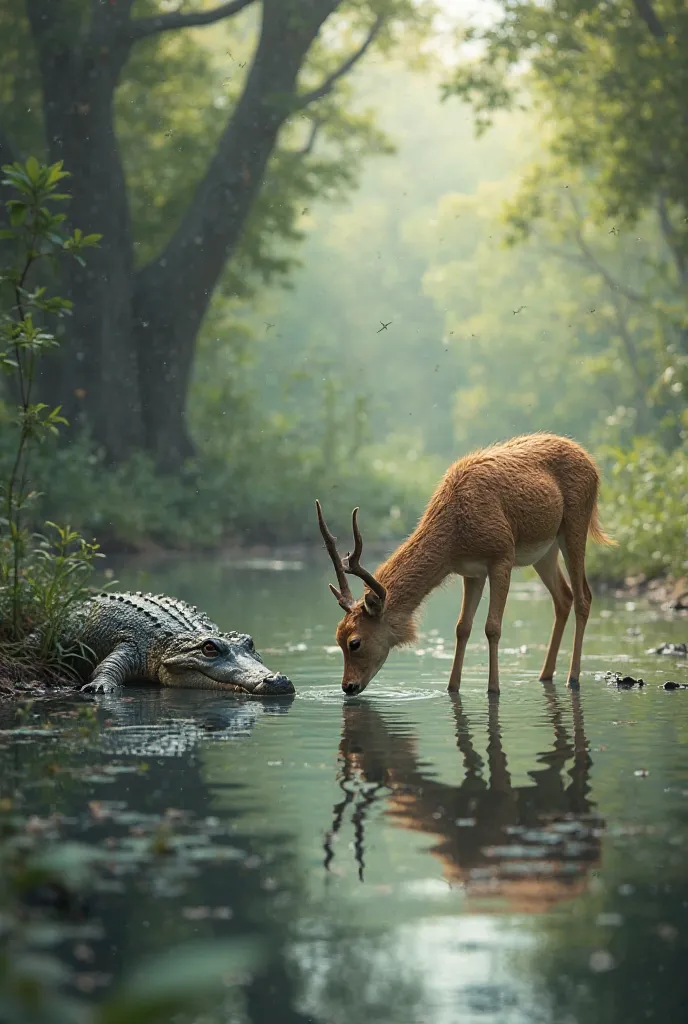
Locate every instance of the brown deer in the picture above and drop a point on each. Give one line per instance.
(533, 846)
(509, 505)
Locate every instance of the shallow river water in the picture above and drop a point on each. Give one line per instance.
(401, 857)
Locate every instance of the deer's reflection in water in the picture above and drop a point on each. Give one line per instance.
(531, 845)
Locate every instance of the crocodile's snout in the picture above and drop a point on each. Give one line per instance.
(276, 684)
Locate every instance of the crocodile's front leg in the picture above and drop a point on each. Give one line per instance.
(114, 670)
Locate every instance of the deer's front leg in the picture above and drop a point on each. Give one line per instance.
(499, 576)
(472, 592)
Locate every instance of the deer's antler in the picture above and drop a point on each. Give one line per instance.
(353, 566)
(343, 595)
(350, 564)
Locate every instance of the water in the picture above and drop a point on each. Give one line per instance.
(403, 857)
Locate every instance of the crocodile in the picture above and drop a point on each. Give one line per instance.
(115, 638)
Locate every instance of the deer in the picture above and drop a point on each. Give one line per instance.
(513, 504)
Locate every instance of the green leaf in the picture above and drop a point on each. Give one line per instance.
(18, 213)
(55, 174)
(33, 169)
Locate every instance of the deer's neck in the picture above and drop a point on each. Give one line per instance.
(415, 569)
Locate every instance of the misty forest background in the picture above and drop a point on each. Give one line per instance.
(503, 185)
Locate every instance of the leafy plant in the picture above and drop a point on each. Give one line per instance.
(40, 576)
(644, 509)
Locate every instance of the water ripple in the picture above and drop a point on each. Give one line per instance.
(382, 694)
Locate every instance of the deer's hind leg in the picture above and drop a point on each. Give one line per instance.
(499, 575)
(472, 592)
(572, 545)
(550, 573)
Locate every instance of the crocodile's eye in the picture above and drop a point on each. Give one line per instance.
(354, 643)
(210, 649)
(250, 646)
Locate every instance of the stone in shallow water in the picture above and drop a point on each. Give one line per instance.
(679, 650)
(624, 682)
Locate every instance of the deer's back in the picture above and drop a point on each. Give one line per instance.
(516, 493)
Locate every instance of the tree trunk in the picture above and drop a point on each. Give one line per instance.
(94, 375)
(172, 293)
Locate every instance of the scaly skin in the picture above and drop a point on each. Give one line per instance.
(127, 637)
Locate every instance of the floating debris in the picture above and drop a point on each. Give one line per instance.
(677, 650)
(623, 682)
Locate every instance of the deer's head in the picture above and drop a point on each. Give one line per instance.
(365, 634)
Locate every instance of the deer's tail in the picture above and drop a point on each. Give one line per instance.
(596, 531)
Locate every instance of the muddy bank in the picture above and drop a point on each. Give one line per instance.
(669, 593)
(19, 678)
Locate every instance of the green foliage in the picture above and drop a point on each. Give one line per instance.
(39, 577)
(258, 488)
(610, 80)
(644, 510)
(567, 331)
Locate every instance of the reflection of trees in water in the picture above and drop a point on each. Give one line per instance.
(532, 846)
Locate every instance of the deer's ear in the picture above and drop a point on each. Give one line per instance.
(372, 604)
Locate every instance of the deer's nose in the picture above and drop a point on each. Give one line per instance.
(351, 688)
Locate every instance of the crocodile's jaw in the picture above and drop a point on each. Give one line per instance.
(264, 684)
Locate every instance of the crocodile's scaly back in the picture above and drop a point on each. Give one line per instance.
(153, 612)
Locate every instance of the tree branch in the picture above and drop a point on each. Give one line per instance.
(309, 145)
(140, 28)
(647, 12)
(586, 258)
(328, 84)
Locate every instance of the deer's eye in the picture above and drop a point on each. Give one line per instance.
(354, 643)
(210, 649)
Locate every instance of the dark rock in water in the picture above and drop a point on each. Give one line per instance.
(625, 682)
(669, 685)
(678, 650)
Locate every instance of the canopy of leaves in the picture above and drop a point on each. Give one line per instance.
(610, 78)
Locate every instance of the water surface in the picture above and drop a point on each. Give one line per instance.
(405, 856)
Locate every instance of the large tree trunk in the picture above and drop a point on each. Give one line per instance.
(95, 375)
(173, 293)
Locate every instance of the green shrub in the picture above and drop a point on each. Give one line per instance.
(644, 509)
(263, 494)
(41, 575)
